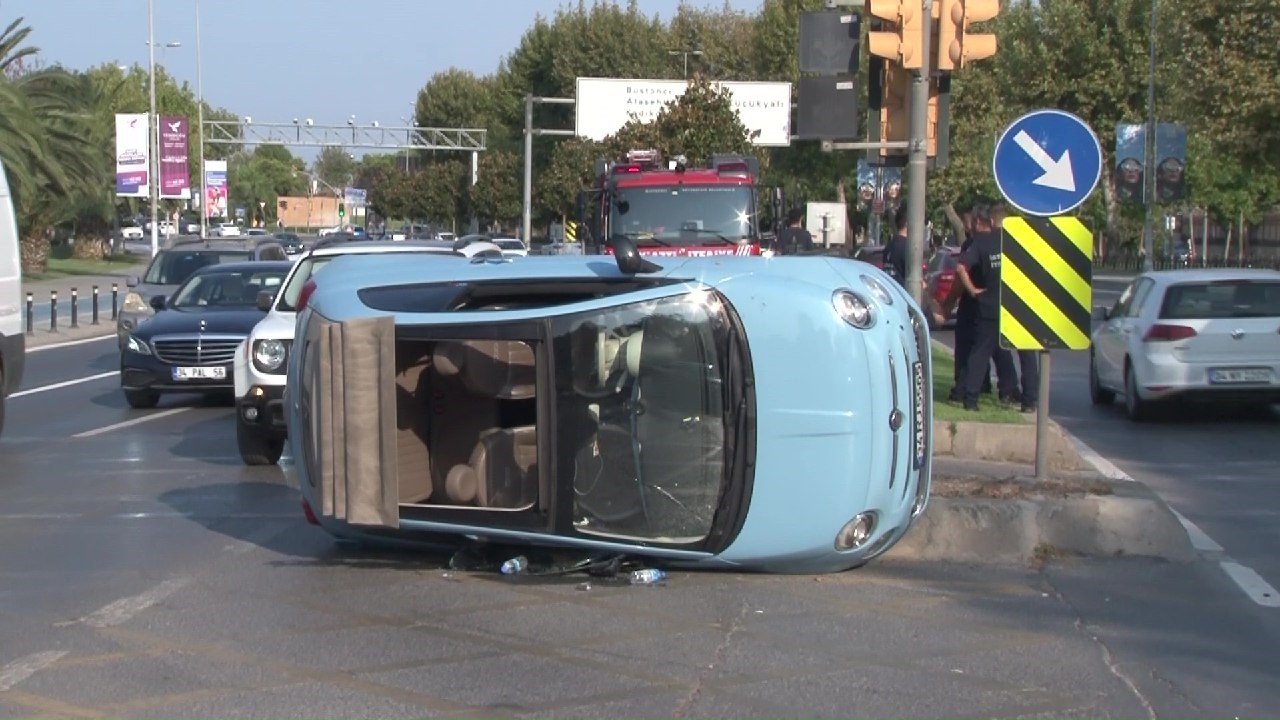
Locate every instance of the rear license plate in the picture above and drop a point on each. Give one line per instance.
(917, 386)
(200, 373)
(1240, 375)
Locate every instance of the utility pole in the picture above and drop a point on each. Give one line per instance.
(918, 160)
(204, 197)
(1149, 152)
(153, 166)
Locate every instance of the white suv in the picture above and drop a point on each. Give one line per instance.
(262, 360)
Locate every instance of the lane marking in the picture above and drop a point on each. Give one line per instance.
(1199, 539)
(68, 383)
(70, 343)
(1248, 580)
(1252, 583)
(130, 423)
(23, 668)
(122, 610)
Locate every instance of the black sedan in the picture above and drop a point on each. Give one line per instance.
(189, 345)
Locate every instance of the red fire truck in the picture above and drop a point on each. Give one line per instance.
(674, 210)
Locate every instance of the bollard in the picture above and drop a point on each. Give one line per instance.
(53, 311)
(74, 310)
(95, 305)
(115, 294)
(31, 314)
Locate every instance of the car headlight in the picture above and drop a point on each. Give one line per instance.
(853, 309)
(269, 355)
(134, 344)
(133, 303)
(856, 532)
(880, 292)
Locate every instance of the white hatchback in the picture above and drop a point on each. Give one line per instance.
(1206, 335)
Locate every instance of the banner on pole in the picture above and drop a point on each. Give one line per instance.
(175, 181)
(215, 188)
(133, 156)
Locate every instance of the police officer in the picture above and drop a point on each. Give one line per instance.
(978, 272)
(1028, 360)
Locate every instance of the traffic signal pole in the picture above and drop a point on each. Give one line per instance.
(918, 161)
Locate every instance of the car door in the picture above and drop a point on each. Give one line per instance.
(1110, 341)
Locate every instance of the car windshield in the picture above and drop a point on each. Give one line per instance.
(172, 267)
(214, 288)
(1221, 299)
(642, 416)
(684, 215)
(306, 269)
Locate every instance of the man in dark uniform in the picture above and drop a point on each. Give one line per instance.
(1028, 360)
(979, 275)
(895, 252)
(794, 238)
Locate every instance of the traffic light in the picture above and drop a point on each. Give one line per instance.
(342, 210)
(957, 45)
(895, 115)
(899, 39)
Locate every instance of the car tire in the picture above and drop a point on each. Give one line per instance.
(1098, 394)
(1136, 408)
(256, 448)
(141, 399)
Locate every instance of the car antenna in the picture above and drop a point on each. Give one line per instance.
(629, 259)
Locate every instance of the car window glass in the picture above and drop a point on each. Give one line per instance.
(225, 289)
(1122, 303)
(306, 269)
(172, 267)
(1217, 300)
(1142, 290)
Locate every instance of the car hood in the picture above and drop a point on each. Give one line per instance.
(239, 321)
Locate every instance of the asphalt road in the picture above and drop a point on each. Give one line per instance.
(145, 572)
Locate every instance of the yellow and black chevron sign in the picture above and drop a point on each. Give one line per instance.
(570, 231)
(1046, 283)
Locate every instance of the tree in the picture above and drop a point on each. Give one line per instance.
(256, 181)
(334, 166)
(496, 198)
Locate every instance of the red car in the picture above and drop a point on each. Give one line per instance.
(940, 273)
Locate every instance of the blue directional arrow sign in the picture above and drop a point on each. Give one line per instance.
(1047, 162)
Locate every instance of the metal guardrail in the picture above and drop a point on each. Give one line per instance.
(1135, 264)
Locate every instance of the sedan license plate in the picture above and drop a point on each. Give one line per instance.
(200, 373)
(1240, 375)
(918, 428)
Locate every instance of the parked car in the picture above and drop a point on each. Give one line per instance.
(720, 412)
(131, 232)
(1204, 335)
(940, 274)
(191, 342)
(223, 230)
(262, 359)
(172, 266)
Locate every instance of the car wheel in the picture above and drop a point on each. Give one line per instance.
(255, 448)
(1098, 394)
(141, 399)
(1138, 409)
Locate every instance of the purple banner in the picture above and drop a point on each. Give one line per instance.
(132, 154)
(175, 181)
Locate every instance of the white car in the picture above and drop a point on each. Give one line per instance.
(512, 247)
(224, 230)
(131, 232)
(1209, 335)
(261, 361)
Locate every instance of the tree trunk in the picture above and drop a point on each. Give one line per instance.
(957, 223)
(34, 248)
(1226, 249)
(1243, 239)
(848, 224)
(1113, 211)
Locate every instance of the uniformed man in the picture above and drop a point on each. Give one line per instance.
(978, 272)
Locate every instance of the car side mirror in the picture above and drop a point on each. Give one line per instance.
(1101, 314)
(132, 281)
(265, 298)
(629, 259)
(158, 302)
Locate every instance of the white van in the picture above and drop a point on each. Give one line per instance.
(12, 341)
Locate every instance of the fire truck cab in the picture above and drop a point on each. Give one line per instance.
(672, 209)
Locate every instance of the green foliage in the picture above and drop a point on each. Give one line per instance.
(496, 196)
(257, 180)
(335, 166)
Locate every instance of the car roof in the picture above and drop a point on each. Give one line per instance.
(1169, 277)
(252, 266)
(242, 243)
(380, 246)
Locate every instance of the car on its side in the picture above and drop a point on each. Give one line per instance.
(173, 265)
(732, 412)
(262, 359)
(191, 342)
(1207, 335)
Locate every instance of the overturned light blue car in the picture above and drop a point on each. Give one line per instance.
(730, 412)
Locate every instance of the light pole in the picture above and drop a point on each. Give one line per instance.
(204, 195)
(685, 54)
(1149, 152)
(153, 167)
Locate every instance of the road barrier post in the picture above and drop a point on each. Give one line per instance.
(95, 305)
(115, 295)
(74, 309)
(53, 311)
(31, 314)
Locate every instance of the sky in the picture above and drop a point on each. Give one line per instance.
(275, 60)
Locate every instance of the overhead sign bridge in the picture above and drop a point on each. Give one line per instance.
(377, 137)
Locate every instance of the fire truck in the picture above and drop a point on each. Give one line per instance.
(672, 209)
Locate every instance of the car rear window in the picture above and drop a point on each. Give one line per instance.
(1221, 299)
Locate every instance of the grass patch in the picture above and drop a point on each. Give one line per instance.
(990, 409)
(71, 267)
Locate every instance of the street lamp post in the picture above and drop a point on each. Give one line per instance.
(204, 196)
(1149, 152)
(685, 54)
(153, 172)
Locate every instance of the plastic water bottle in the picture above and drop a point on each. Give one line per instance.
(647, 576)
(515, 565)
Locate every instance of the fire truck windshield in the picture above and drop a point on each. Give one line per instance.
(683, 214)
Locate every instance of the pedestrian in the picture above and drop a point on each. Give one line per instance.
(896, 250)
(794, 239)
(979, 274)
(1007, 378)
(1028, 360)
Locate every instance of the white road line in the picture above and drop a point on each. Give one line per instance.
(130, 423)
(1199, 539)
(68, 383)
(70, 343)
(1252, 583)
(23, 668)
(1257, 589)
(122, 610)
